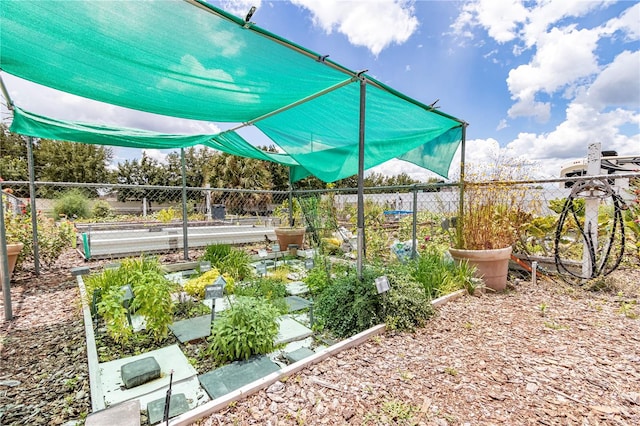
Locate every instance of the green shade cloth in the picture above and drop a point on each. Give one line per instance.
(185, 58)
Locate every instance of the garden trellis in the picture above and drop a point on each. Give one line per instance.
(222, 69)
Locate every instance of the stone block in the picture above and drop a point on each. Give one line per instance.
(81, 270)
(177, 405)
(139, 372)
(124, 414)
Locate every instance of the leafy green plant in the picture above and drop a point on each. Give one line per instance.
(319, 277)
(268, 288)
(72, 204)
(237, 264)
(102, 209)
(151, 291)
(349, 305)
(247, 328)
(229, 260)
(53, 238)
(406, 306)
(439, 275)
(215, 253)
(111, 309)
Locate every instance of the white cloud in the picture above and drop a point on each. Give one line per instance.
(502, 124)
(407, 68)
(501, 19)
(373, 24)
(563, 56)
(241, 7)
(156, 154)
(618, 84)
(569, 140)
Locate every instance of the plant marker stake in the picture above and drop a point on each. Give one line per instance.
(534, 270)
(167, 400)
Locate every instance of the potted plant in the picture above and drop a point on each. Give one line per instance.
(291, 230)
(491, 223)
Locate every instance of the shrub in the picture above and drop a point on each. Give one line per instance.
(247, 328)
(271, 289)
(102, 209)
(72, 204)
(196, 286)
(319, 277)
(151, 291)
(349, 305)
(167, 215)
(53, 238)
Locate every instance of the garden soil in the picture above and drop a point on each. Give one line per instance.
(547, 354)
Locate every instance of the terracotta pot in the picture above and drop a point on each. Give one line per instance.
(288, 236)
(13, 250)
(492, 266)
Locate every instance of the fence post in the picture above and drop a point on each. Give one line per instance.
(4, 266)
(460, 219)
(185, 219)
(590, 245)
(414, 231)
(34, 216)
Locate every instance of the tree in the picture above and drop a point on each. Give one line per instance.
(13, 159)
(146, 171)
(231, 171)
(59, 161)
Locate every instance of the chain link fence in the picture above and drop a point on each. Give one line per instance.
(126, 215)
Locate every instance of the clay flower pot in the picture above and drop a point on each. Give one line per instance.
(492, 266)
(289, 236)
(13, 250)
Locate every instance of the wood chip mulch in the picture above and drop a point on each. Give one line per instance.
(545, 354)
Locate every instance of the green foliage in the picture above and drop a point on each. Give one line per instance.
(282, 212)
(558, 204)
(237, 264)
(102, 209)
(72, 204)
(318, 278)
(60, 161)
(152, 297)
(247, 328)
(349, 305)
(53, 238)
(439, 275)
(406, 305)
(153, 300)
(215, 253)
(229, 260)
(271, 289)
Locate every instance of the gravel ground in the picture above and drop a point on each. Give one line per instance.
(546, 354)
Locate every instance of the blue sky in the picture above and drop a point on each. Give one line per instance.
(535, 79)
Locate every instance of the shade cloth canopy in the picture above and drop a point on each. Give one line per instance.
(188, 59)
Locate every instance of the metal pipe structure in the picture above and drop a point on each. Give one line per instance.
(185, 219)
(414, 230)
(32, 200)
(460, 220)
(6, 286)
(361, 239)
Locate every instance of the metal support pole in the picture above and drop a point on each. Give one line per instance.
(590, 243)
(414, 230)
(460, 219)
(361, 239)
(34, 215)
(6, 286)
(290, 204)
(185, 219)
